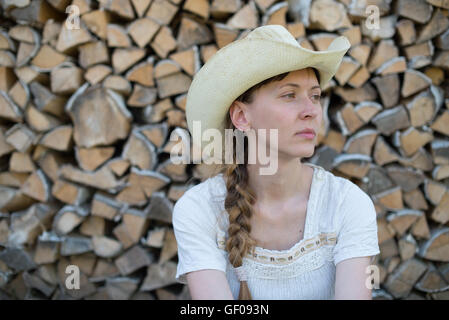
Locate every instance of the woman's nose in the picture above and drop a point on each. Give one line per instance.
(308, 108)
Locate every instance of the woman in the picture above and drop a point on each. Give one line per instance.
(300, 233)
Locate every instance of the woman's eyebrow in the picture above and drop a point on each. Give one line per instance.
(296, 85)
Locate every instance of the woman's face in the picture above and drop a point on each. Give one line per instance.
(289, 105)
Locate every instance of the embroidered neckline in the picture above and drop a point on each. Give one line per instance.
(254, 269)
(287, 256)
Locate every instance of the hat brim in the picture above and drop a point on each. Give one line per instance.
(242, 64)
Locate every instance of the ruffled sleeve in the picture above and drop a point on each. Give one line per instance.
(357, 227)
(194, 225)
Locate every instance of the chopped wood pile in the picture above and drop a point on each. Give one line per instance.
(92, 98)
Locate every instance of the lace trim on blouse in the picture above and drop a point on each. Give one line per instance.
(286, 256)
(271, 264)
(314, 260)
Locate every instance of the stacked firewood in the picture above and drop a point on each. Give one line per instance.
(92, 101)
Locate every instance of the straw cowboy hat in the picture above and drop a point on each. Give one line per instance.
(265, 52)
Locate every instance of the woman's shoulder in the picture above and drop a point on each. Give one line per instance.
(349, 189)
(336, 194)
(201, 200)
(205, 190)
(331, 184)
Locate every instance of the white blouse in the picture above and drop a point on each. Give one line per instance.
(340, 224)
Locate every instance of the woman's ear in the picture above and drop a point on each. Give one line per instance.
(238, 115)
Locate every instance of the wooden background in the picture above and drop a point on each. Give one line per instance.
(91, 94)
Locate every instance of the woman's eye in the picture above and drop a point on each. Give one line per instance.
(292, 95)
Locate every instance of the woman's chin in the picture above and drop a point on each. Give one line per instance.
(304, 152)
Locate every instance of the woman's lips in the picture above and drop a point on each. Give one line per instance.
(307, 135)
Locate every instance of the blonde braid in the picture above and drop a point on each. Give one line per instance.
(238, 204)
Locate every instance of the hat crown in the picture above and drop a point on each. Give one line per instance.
(273, 32)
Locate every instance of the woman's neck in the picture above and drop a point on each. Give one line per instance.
(292, 179)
